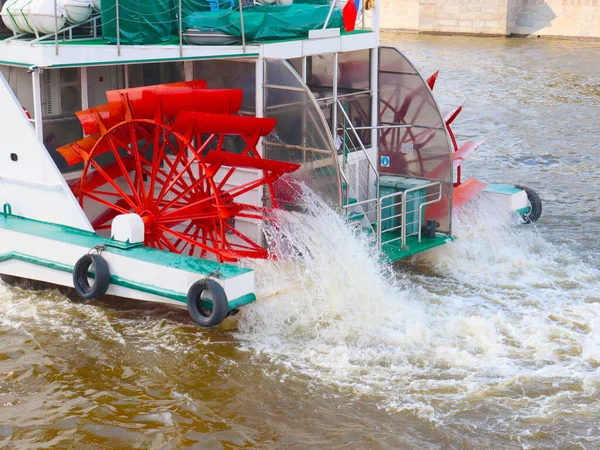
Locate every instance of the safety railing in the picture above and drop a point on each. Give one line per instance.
(388, 234)
(366, 178)
(63, 30)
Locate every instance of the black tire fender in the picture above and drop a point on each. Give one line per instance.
(536, 205)
(80, 277)
(203, 317)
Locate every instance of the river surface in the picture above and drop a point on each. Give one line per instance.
(490, 342)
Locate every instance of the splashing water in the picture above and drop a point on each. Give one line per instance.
(506, 325)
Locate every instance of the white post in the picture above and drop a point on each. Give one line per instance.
(188, 70)
(260, 94)
(335, 96)
(375, 108)
(376, 20)
(259, 100)
(37, 104)
(55, 29)
(180, 31)
(304, 69)
(118, 28)
(85, 103)
(242, 27)
(126, 70)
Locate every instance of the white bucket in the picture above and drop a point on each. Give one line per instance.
(78, 10)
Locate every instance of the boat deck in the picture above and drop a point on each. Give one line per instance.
(55, 242)
(76, 52)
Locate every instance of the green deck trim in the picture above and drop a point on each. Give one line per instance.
(174, 40)
(13, 63)
(119, 281)
(75, 236)
(393, 252)
(502, 189)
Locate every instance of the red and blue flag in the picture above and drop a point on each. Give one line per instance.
(349, 14)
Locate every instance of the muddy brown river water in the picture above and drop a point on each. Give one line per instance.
(490, 342)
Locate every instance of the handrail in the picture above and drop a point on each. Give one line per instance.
(430, 202)
(403, 214)
(364, 150)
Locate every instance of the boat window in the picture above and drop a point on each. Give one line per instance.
(20, 83)
(61, 99)
(230, 74)
(158, 73)
(301, 136)
(353, 89)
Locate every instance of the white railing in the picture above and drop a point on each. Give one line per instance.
(367, 202)
(433, 196)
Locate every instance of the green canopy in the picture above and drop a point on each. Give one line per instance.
(263, 23)
(146, 22)
(140, 21)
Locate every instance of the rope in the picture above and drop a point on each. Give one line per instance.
(98, 249)
(215, 273)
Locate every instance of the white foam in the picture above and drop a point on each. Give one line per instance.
(504, 306)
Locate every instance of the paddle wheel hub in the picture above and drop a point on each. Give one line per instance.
(171, 153)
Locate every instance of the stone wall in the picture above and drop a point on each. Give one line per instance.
(580, 18)
(570, 18)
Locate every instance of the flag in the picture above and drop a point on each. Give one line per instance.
(349, 15)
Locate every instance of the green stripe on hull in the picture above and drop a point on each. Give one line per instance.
(76, 236)
(118, 281)
(502, 189)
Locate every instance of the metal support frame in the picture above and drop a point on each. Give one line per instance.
(362, 147)
(180, 30)
(118, 27)
(242, 26)
(403, 199)
(55, 28)
(304, 69)
(259, 100)
(188, 70)
(85, 103)
(334, 96)
(374, 77)
(37, 104)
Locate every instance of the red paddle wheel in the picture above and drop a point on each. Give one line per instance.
(162, 152)
(407, 112)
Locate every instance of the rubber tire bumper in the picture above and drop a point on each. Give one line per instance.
(536, 205)
(80, 277)
(206, 318)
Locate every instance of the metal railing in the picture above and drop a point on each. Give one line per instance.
(372, 176)
(420, 202)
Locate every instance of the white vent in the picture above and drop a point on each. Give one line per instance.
(358, 176)
(62, 91)
(48, 93)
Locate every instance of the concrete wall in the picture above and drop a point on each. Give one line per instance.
(569, 18)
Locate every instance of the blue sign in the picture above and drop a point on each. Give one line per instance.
(385, 161)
